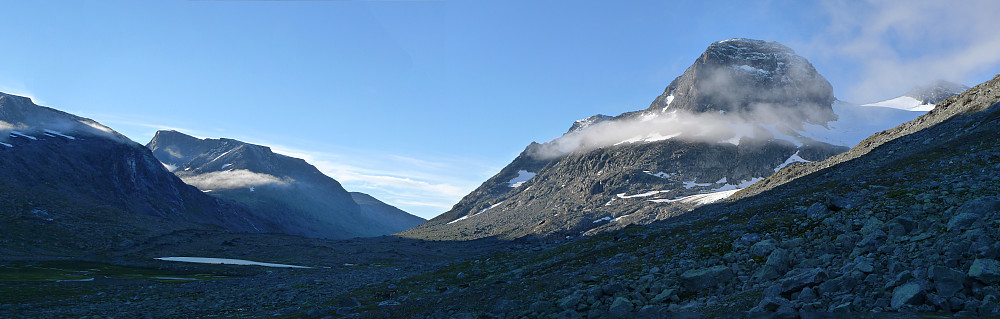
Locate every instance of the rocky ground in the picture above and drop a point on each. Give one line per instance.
(130, 283)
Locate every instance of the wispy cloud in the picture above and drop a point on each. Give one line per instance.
(902, 44)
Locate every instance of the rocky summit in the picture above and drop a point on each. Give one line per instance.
(744, 76)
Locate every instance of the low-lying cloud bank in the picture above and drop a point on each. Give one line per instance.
(764, 122)
(232, 179)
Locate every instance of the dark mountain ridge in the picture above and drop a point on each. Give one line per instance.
(393, 219)
(288, 191)
(71, 184)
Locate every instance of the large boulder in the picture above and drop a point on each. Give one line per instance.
(985, 270)
(801, 278)
(911, 293)
(947, 281)
(698, 279)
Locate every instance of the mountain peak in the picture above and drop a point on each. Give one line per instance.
(747, 76)
(20, 113)
(584, 123)
(746, 50)
(936, 91)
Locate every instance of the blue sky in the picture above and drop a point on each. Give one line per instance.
(418, 102)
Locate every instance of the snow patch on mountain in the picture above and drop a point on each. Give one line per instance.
(602, 219)
(54, 134)
(670, 98)
(489, 208)
(660, 174)
(700, 199)
(795, 158)
(693, 184)
(739, 185)
(19, 134)
(904, 103)
(522, 177)
(459, 219)
(646, 194)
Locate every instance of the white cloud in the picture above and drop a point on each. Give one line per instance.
(231, 179)
(170, 168)
(902, 44)
(4, 126)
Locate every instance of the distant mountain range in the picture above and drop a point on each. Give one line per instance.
(742, 111)
(295, 196)
(69, 184)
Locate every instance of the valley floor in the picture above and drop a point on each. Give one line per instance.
(133, 284)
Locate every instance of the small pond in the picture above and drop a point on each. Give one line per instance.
(227, 261)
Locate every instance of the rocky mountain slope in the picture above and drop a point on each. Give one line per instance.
(976, 99)
(394, 219)
(903, 223)
(70, 185)
(744, 110)
(288, 192)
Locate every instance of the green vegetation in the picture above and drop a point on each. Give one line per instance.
(70, 270)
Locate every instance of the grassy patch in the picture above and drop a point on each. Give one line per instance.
(35, 293)
(53, 271)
